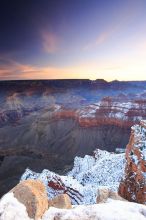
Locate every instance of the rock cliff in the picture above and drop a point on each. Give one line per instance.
(133, 186)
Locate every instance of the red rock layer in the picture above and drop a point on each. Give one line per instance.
(56, 184)
(92, 121)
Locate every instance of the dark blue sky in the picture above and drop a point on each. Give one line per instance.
(72, 39)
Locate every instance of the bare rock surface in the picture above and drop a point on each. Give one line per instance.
(103, 194)
(61, 201)
(32, 194)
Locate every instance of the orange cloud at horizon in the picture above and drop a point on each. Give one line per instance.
(108, 72)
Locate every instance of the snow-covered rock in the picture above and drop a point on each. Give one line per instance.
(81, 184)
(112, 210)
(133, 186)
(11, 209)
(104, 169)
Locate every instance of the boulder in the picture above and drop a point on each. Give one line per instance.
(104, 194)
(61, 201)
(33, 195)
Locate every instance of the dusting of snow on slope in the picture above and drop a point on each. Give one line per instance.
(88, 174)
(118, 109)
(12, 209)
(112, 210)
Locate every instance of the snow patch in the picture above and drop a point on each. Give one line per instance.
(12, 209)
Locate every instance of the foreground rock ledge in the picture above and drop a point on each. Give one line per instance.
(11, 209)
(33, 195)
(111, 210)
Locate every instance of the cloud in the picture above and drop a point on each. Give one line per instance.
(50, 42)
(124, 19)
(102, 38)
(10, 69)
(127, 64)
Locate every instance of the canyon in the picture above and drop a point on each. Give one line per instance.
(47, 123)
(94, 183)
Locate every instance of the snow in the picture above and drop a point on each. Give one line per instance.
(140, 138)
(118, 110)
(88, 174)
(135, 159)
(106, 170)
(112, 210)
(144, 174)
(11, 209)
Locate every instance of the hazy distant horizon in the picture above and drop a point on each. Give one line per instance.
(7, 80)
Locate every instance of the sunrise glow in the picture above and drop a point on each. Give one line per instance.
(73, 39)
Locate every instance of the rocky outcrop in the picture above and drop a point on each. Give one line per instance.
(56, 185)
(83, 183)
(61, 201)
(102, 169)
(32, 194)
(133, 186)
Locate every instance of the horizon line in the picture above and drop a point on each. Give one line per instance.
(7, 80)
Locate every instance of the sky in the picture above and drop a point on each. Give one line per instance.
(81, 39)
